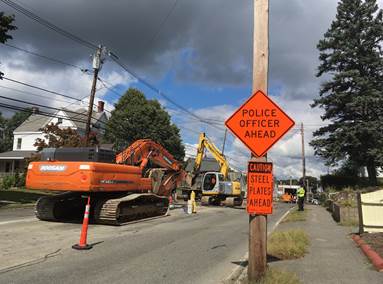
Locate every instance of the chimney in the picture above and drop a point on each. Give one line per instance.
(35, 110)
(100, 106)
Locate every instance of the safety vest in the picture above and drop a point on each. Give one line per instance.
(301, 192)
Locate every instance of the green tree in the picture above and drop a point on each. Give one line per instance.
(9, 125)
(6, 26)
(135, 117)
(352, 97)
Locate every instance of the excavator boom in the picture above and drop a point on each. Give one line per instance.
(205, 143)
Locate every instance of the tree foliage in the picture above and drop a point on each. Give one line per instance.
(6, 26)
(352, 97)
(135, 117)
(56, 137)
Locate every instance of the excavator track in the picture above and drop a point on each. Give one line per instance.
(133, 207)
(61, 207)
(108, 210)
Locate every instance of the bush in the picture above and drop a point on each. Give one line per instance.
(16, 180)
(8, 182)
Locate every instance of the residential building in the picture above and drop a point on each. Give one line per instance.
(24, 136)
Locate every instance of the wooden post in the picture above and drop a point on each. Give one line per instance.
(96, 66)
(258, 223)
(360, 212)
(303, 156)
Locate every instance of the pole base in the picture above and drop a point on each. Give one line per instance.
(84, 247)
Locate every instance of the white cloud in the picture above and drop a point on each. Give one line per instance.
(66, 81)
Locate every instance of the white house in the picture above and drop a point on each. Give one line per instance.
(26, 134)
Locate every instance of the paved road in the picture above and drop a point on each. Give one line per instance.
(15, 214)
(202, 248)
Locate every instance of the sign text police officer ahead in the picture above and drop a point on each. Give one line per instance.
(259, 123)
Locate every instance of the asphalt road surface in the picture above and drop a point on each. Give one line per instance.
(201, 248)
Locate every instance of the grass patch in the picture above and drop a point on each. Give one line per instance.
(19, 196)
(289, 244)
(295, 216)
(276, 276)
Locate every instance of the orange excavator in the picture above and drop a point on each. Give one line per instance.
(133, 185)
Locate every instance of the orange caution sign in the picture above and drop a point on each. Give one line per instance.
(259, 123)
(260, 188)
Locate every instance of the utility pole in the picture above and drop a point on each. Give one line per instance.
(224, 142)
(97, 61)
(258, 223)
(303, 155)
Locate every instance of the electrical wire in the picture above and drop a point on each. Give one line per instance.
(157, 91)
(49, 107)
(46, 90)
(84, 70)
(162, 24)
(47, 114)
(32, 94)
(114, 57)
(49, 25)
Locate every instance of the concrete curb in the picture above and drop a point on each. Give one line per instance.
(375, 258)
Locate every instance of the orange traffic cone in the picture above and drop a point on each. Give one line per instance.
(84, 231)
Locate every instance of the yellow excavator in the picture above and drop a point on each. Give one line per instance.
(215, 188)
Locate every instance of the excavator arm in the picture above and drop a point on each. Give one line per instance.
(205, 143)
(143, 151)
(167, 172)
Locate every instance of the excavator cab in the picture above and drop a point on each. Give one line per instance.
(216, 189)
(212, 182)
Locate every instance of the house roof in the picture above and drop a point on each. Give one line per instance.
(37, 121)
(16, 155)
(33, 123)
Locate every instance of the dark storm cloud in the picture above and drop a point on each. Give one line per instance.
(208, 41)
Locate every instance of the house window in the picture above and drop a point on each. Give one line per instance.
(59, 120)
(19, 140)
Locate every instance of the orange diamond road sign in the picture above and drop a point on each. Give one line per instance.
(259, 123)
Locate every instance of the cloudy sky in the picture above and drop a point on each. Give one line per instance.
(196, 52)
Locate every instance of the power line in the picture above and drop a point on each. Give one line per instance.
(93, 46)
(48, 107)
(32, 94)
(8, 106)
(156, 90)
(162, 24)
(84, 70)
(39, 88)
(114, 57)
(49, 25)
(46, 90)
(110, 88)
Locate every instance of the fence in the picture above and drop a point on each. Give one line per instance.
(370, 209)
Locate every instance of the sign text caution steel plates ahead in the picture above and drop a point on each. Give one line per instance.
(260, 188)
(259, 123)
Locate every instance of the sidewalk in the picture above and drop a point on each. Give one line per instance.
(333, 256)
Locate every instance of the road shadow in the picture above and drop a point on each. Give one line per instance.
(245, 263)
(96, 243)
